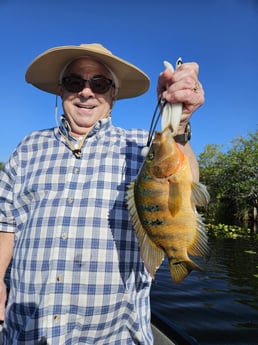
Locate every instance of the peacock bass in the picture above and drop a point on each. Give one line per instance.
(162, 206)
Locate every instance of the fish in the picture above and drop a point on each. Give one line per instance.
(162, 204)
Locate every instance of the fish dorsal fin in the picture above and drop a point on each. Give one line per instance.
(200, 195)
(151, 254)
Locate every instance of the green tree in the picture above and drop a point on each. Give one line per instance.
(211, 167)
(232, 180)
(242, 176)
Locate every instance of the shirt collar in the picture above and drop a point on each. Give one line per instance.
(101, 125)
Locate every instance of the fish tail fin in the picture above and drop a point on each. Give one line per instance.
(180, 270)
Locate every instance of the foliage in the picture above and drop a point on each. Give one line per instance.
(232, 180)
(230, 231)
(1, 166)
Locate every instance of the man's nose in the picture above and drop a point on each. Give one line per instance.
(86, 91)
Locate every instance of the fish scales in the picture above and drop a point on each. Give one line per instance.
(162, 205)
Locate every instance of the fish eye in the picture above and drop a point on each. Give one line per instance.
(151, 156)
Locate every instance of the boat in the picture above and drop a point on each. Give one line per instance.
(169, 334)
(163, 334)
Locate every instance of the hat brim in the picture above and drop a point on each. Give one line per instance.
(44, 71)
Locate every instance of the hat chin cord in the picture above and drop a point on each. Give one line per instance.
(76, 150)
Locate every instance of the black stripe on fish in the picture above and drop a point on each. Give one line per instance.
(149, 222)
(149, 208)
(159, 236)
(145, 192)
(176, 263)
(146, 177)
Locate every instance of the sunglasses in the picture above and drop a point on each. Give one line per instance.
(97, 84)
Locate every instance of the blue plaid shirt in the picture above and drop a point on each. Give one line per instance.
(77, 276)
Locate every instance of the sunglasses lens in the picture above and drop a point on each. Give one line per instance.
(76, 84)
(73, 84)
(100, 85)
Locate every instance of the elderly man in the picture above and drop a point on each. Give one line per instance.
(76, 273)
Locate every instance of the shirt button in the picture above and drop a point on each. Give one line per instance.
(64, 236)
(59, 278)
(70, 200)
(56, 317)
(76, 171)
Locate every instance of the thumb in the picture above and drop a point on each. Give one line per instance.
(164, 81)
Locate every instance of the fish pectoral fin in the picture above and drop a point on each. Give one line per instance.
(179, 270)
(200, 195)
(175, 199)
(151, 254)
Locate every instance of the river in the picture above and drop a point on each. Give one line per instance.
(220, 305)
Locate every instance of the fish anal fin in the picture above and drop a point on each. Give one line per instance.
(199, 246)
(175, 198)
(179, 270)
(151, 254)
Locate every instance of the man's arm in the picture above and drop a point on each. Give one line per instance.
(6, 253)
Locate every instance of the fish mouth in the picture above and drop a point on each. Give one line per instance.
(164, 137)
(164, 144)
(167, 156)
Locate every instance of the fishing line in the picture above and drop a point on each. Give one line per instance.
(161, 103)
(154, 122)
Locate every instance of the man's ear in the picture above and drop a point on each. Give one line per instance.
(114, 93)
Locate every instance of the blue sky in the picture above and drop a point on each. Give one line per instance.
(221, 35)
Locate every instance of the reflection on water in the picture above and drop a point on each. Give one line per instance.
(220, 305)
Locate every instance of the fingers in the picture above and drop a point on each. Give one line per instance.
(183, 86)
(188, 70)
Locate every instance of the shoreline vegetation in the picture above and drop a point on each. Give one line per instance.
(230, 231)
(231, 177)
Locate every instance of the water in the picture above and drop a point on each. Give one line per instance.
(218, 306)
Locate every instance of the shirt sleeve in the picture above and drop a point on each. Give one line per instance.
(7, 182)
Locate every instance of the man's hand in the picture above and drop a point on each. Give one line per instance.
(183, 86)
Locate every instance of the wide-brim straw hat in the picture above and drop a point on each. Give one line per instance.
(45, 70)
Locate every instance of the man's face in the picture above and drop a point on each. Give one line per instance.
(85, 108)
